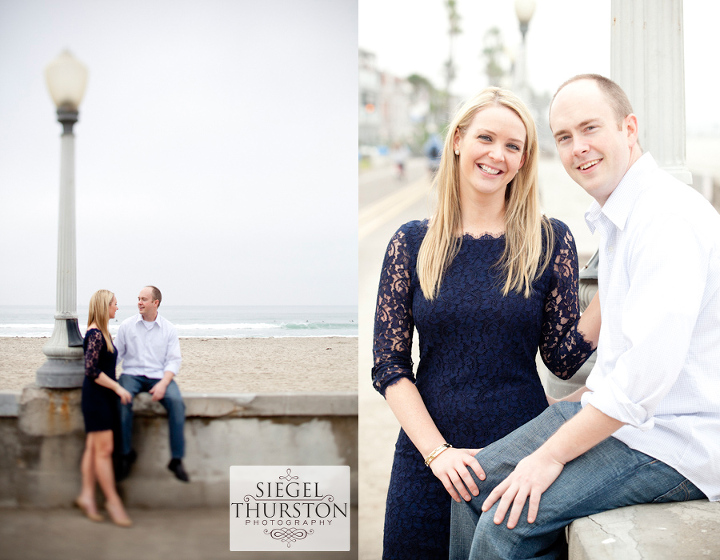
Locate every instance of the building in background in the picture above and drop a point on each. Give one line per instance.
(395, 102)
(368, 97)
(396, 111)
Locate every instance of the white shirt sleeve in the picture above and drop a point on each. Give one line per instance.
(120, 343)
(173, 357)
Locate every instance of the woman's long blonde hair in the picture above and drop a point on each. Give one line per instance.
(521, 261)
(99, 313)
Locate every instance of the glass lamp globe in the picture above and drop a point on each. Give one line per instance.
(524, 10)
(66, 79)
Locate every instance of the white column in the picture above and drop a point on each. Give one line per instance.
(64, 367)
(66, 294)
(647, 62)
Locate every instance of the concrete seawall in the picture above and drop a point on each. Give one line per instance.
(42, 438)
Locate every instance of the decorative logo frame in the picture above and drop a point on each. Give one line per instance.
(296, 508)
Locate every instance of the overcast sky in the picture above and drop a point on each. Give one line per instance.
(565, 37)
(216, 152)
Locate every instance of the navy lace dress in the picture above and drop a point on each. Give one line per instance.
(477, 373)
(100, 405)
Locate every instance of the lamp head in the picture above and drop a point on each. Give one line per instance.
(524, 10)
(66, 78)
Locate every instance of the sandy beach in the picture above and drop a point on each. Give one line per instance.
(225, 365)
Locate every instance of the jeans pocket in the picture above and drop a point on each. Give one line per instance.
(683, 492)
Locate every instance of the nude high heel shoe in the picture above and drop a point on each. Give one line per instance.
(86, 511)
(118, 516)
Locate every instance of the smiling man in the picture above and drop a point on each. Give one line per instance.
(596, 144)
(149, 349)
(647, 428)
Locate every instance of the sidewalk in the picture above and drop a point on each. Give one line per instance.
(378, 428)
(157, 534)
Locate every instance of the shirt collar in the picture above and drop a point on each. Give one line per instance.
(139, 319)
(620, 203)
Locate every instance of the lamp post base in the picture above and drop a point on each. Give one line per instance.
(61, 374)
(65, 364)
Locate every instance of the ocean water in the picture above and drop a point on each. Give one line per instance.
(203, 322)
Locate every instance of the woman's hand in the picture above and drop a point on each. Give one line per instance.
(124, 394)
(451, 468)
(104, 381)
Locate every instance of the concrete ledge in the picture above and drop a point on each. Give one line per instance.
(49, 412)
(223, 404)
(657, 531)
(42, 437)
(9, 403)
(257, 405)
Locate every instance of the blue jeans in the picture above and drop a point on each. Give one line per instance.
(608, 476)
(173, 403)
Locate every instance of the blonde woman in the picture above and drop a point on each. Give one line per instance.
(486, 282)
(100, 394)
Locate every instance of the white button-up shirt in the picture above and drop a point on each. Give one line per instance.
(658, 357)
(148, 349)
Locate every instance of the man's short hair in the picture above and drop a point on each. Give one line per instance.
(156, 295)
(616, 97)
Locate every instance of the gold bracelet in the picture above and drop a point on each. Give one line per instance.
(429, 459)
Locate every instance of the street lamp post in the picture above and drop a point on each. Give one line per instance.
(66, 78)
(524, 9)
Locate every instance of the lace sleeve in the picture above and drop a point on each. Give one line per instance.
(392, 342)
(562, 347)
(92, 354)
